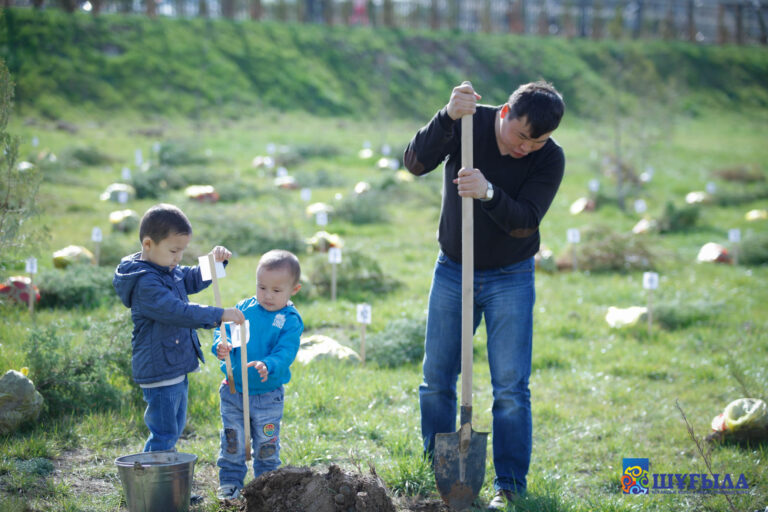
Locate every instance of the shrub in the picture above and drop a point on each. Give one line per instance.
(115, 247)
(319, 179)
(85, 286)
(236, 190)
(753, 249)
(250, 235)
(78, 375)
(678, 219)
(177, 153)
(156, 181)
(90, 156)
(401, 342)
(679, 315)
(604, 250)
(368, 208)
(358, 278)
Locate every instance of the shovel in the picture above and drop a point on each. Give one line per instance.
(459, 457)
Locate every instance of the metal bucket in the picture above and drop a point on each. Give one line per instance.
(157, 481)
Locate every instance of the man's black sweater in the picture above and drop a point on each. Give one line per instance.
(506, 227)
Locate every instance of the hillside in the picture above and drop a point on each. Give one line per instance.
(171, 66)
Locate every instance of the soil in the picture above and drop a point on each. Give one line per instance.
(299, 489)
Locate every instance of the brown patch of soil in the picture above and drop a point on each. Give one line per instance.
(290, 489)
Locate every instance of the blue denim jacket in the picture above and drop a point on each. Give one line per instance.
(165, 343)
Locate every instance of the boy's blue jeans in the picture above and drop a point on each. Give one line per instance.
(166, 415)
(266, 412)
(505, 296)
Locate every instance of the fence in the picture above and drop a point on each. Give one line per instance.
(704, 21)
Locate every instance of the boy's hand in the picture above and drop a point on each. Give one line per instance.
(261, 368)
(223, 349)
(233, 315)
(221, 253)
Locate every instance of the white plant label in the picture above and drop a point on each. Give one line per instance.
(271, 148)
(386, 150)
(35, 141)
(126, 174)
(156, 147)
(96, 235)
(139, 159)
(594, 185)
(334, 255)
(122, 197)
(321, 218)
(205, 268)
(711, 188)
(650, 280)
(640, 206)
(364, 314)
(734, 235)
(306, 194)
(235, 330)
(282, 172)
(30, 265)
(573, 235)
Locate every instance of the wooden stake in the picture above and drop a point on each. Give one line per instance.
(222, 328)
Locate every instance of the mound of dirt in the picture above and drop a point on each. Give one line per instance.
(293, 489)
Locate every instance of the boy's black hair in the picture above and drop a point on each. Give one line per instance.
(162, 221)
(278, 258)
(541, 105)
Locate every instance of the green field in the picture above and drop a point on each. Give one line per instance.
(598, 394)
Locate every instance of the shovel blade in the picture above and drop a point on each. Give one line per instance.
(460, 467)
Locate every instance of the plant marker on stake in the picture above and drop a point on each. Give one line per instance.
(734, 236)
(574, 237)
(334, 258)
(650, 283)
(242, 331)
(459, 458)
(363, 318)
(31, 269)
(96, 238)
(210, 270)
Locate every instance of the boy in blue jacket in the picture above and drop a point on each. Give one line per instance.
(165, 344)
(275, 329)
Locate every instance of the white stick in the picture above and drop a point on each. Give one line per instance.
(222, 328)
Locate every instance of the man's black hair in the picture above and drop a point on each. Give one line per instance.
(541, 105)
(162, 221)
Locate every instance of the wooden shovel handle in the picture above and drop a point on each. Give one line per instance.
(467, 270)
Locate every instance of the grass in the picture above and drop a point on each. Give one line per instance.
(598, 394)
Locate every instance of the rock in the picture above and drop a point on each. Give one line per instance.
(115, 191)
(286, 182)
(361, 187)
(644, 226)
(315, 208)
(697, 197)
(72, 254)
(581, 205)
(318, 346)
(125, 221)
(713, 253)
(19, 288)
(202, 193)
(625, 317)
(753, 215)
(20, 402)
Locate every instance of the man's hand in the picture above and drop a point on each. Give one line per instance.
(261, 368)
(221, 253)
(233, 315)
(471, 183)
(463, 101)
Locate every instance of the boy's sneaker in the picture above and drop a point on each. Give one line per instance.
(501, 500)
(228, 492)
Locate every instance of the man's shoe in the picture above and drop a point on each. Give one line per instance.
(228, 492)
(501, 499)
(195, 499)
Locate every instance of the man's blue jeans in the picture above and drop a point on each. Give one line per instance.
(266, 412)
(505, 296)
(166, 415)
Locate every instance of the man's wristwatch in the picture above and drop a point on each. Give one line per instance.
(488, 193)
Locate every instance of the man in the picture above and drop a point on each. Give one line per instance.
(518, 169)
